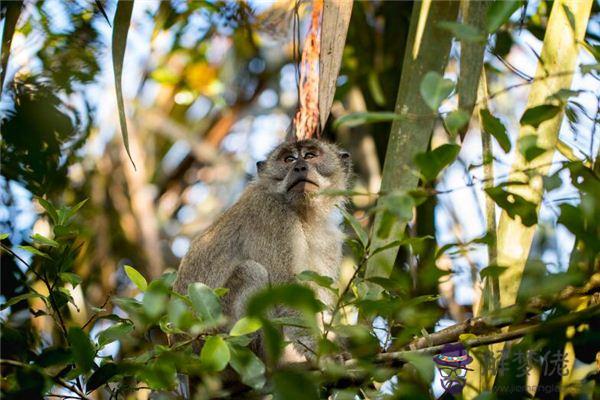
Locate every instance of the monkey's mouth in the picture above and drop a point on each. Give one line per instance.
(303, 185)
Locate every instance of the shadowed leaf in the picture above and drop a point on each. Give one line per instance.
(496, 128)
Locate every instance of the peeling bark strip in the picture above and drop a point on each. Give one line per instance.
(334, 27)
(306, 121)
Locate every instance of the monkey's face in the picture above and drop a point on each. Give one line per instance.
(298, 170)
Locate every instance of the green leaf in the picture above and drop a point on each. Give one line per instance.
(499, 12)
(463, 32)
(82, 349)
(101, 376)
(250, 368)
(121, 24)
(54, 356)
(552, 182)
(456, 120)
(292, 295)
(390, 245)
(155, 299)
(137, 278)
(432, 162)
(73, 210)
(528, 147)
(101, 8)
(35, 251)
(179, 314)
(375, 88)
(493, 271)
(589, 68)
(215, 354)
(4, 235)
(536, 115)
(14, 300)
(312, 276)
(44, 240)
(563, 95)
(221, 291)
(11, 16)
(115, 332)
(204, 302)
(361, 234)
(294, 385)
(49, 209)
(496, 128)
(71, 278)
(245, 326)
(570, 17)
(362, 118)
(435, 89)
(514, 205)
(400, 205)
(423, 364)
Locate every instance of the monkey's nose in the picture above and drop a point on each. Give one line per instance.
(300, 168)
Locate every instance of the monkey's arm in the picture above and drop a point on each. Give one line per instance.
(211, 259)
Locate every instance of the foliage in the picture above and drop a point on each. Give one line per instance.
(85, 316)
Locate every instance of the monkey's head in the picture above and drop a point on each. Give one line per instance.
(296, 171)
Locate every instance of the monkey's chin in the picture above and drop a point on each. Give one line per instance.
(304, 187)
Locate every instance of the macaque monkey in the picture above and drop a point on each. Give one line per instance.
(278, 228)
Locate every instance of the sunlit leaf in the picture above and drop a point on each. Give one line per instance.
(362, 118)
(499, 13)
(14, 300)
(73, 210)
(35, 251)
(245, 326)
(361, 234)
(44, 240)
(4, 236)
(113, 333)
(456, 120)
(435, 89)
(121, 24)
(431, 163)
(215, 354)
(50, 209)
(138, 279)
(205, 302)
(70, 277)
(312, 276)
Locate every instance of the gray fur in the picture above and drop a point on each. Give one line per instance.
(273, 233)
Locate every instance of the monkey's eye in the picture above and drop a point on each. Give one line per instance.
(309, 155)
(289, 159)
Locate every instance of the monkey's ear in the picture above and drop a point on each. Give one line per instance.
(346, 162)
(260, 166)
